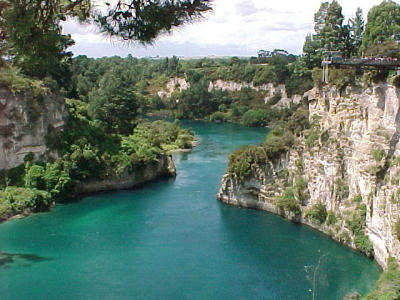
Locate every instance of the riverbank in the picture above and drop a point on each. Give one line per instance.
(173, 232)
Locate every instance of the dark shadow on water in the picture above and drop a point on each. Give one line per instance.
(7, 259)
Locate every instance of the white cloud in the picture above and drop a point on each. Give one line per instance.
(235, 27)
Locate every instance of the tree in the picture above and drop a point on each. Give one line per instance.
(33, 32)
(312, 55)
(356, 27)
(319, 18)
(383, 24)
(332, 34)
(145, 20)
(115, 103)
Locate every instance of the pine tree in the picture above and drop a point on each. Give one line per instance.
(332, 35)
(356, 27)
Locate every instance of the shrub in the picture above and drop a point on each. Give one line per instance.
(396, 81)
(243, 160)
(317, 213)
(317, 77)
(356, 224)
(342, 189)
(277, 142)
(341, 78)
(287, 202)
(331, 218)
(378, 154)
(274, 99)
(255, 118)
(218, 117)
(34, 177)
(397, 229)
(21, 199)
(357, 198)
(311, 139)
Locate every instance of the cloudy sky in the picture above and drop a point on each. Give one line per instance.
(235, 27)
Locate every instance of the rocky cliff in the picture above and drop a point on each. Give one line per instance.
(24, 123)
(270, 90)
(341, 176)
(164, 167)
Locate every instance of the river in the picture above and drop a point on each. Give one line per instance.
(171, 239)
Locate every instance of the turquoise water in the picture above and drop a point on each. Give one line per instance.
(171, 239)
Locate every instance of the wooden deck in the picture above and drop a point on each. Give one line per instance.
(365, 63)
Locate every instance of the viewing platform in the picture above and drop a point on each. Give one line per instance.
(366, 63)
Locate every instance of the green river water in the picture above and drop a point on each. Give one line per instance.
(172, 239)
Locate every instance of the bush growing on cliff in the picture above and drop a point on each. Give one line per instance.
(243, 160)
(22, 199)
(357, 224)
(277, 142)
(317, 214)
(397, 229)
(378, 154)
(287, 203)
(331, 218)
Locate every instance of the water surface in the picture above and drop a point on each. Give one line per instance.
(171, 239)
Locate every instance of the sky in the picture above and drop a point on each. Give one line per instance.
(234, 28)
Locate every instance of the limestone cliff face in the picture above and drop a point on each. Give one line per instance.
(24, 123)
(349, 162)
(164, 167)
(269, 89)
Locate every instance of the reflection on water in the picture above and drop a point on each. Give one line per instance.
(11, 258)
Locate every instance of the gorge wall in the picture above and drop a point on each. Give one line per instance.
(24, 123)
(163, 168)
(270, 90)
(347, 163)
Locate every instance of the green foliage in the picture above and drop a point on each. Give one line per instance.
(396, 81)
(298, 188)
(357, 199)
(25, 199)
(342, 189)
(317, 213)
(275, 99)
(218, 117)
(388, 285)
(317, 76)
(115, 103)
(331, 218)
(19, 83)
(341, 78)
(397, 229)
(311, 139)
(378, 154)
(357, 224)
(287, 202)
(243, 161)
(277, 142)
(383, 24)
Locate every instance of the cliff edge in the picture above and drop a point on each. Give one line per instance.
(341, 175)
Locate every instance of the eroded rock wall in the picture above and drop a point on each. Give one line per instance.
(164, 167)
(24, 123)
(270, 90)
(351, 164)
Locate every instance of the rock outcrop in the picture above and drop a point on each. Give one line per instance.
(24, 124)
(163, 168)
(343, 173)
(269, 90)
